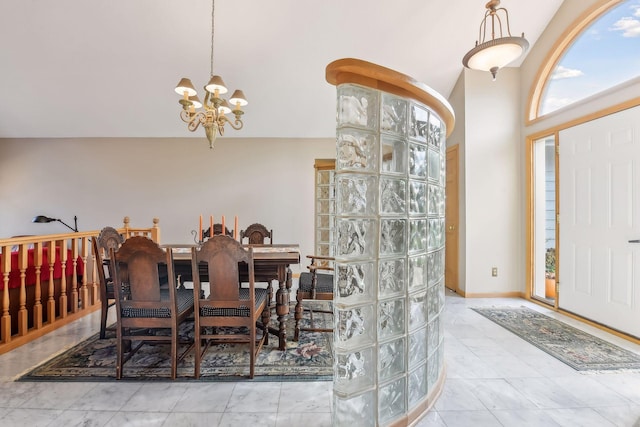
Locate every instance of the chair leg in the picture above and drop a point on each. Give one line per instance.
(252, 354)
(103, 319)
(266, 318)
(174, 352)
(119, 355)
(197, 348)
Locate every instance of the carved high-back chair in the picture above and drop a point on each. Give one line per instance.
(142, 305)
(217, 229)
(108, 238)
(314, 285)
(256, 234)
(227, 304)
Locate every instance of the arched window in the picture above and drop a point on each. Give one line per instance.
(602, 51)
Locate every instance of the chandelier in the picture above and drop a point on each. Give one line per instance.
(494, 54)
(213, 116)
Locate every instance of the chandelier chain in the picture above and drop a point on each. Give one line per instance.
(213, 9)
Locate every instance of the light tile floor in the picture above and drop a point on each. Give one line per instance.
(493, 379)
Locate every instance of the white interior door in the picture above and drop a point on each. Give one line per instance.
(598, 267)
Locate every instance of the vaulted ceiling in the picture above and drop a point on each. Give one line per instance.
(107, 68)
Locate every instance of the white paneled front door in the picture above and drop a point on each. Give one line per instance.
(599, 268)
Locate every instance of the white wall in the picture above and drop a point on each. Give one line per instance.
(493, 183)
(270, 181)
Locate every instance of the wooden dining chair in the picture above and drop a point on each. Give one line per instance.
(142, 305)
(217, 229)
(317, 286)
(256, 234)
(227, 304)
(108, 238)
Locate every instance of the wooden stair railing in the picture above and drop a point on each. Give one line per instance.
(39, 292)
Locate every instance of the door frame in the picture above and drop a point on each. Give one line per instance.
(455, 151)
(530, 216)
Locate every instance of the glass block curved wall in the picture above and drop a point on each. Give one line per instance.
(388, 241)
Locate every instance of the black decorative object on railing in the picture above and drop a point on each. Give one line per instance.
(42, 219)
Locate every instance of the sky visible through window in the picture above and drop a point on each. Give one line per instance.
(606, 54)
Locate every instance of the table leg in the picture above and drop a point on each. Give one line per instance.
(282, 304)
(289, 279)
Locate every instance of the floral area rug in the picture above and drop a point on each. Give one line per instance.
(578, 349)
(309, 359)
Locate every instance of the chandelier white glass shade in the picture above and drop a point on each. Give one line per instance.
(497, 52)
(213, 116)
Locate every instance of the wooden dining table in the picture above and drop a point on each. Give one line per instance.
(270, 262)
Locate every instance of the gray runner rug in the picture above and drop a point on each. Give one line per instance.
(578, 349)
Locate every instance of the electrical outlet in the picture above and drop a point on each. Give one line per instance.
(494, 271)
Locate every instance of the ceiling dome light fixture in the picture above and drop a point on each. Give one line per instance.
(213, 117)
(498, 52)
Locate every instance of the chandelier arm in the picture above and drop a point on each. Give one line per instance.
(506, 15)
(494, 17)
(193, 120)
(220, 124)
(493, 25)
(482, 32)
(237, 124)
(199, 119)
(207, 100)
(223, 120)
(185, 116)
